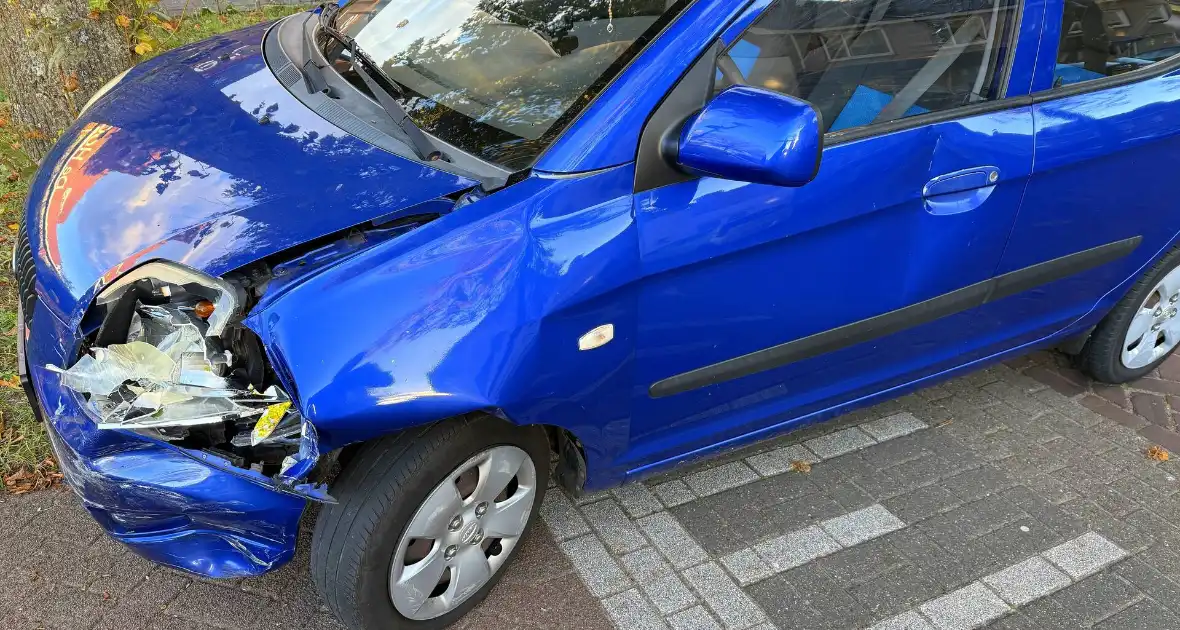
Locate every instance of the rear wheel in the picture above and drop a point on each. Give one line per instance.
(427, 522)
(1142, 329)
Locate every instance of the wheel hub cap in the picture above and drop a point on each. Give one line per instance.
(462, 533)
(1154, 329)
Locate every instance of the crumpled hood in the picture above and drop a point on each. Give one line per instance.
(200, 156)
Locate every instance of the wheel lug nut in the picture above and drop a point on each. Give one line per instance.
(450, 552)
(456, 523)
(1159, 312)
(481, 509)
(478, 538)
(1155, 327)
(1175, 298)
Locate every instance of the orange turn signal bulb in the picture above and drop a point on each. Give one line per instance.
(203, 309)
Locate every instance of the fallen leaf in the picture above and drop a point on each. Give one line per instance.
(8, 196)
(13, 176)
(223, 19)
(122, 20)
(402, 23)
(16, 145)
(12, 382)
(801, 466)
(106, 594)
(94, 16)
(14, 226)
(1158, 453)
(71, 83)
(43, 475)
(143, 48)
(169, 26)
(3, 123)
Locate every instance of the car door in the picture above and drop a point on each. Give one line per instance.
(760, 305)
(1100, 203)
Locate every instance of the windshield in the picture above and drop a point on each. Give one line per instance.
(498, 78)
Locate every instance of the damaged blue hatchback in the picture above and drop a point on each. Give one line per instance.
(414, 259)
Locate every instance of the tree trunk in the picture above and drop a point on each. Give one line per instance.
(58, 53)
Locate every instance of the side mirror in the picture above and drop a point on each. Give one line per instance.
(749, 134)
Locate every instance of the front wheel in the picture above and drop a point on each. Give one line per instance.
(1142, 329)
(427, 521)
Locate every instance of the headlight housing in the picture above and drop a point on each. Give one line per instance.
(169, 357)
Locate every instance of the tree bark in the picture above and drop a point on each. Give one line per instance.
(57, 54)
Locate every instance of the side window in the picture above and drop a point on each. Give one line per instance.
(870, 61)
(1105, 38)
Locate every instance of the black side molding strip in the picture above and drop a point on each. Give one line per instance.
(956, 301)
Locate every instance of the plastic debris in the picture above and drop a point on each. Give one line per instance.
(268, 422)
(169, 374)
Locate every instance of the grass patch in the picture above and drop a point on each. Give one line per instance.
(25, 458)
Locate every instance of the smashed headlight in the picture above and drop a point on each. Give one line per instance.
(169, 359)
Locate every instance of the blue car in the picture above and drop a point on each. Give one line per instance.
(415, 261)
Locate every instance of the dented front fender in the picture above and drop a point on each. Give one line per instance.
(479, 310)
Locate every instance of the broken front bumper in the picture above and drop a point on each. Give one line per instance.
(185, 509)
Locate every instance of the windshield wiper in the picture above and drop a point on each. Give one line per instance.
(373, 77)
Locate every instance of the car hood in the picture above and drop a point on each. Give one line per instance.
(202, 157)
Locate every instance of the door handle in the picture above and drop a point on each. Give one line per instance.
(960, 191)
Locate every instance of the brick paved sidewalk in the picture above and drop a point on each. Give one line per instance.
(60, 572)
(1149, 406)
(991, 499)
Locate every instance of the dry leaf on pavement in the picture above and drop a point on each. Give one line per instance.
(1158, 453)
(800, 466)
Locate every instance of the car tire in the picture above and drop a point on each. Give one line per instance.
(361, 540)
(1111, 355)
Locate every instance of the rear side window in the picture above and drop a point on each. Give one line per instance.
(862, 62)
(1102, 39)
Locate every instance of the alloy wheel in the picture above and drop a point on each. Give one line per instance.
(463, 533)
(1155, 327)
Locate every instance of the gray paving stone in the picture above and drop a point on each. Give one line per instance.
(969, 607)
(1142, 615)
(1085, 602)
(669, 594)
(670, 537)
(894, 426)
(922, 503)
(673, 493)
(779, 460)
(861, 525)
(1084, 555)
(616, 530)
(1021, 583)
(720, 478)
(646, 564)
(658, 581)
(839, 443)
(695, 618)
(732, 606)
(629, 610)
(747, 567)
(591, 497)
(637, 499)
(563, 519)
(594, 564)
(908, 620)
(797, 548)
